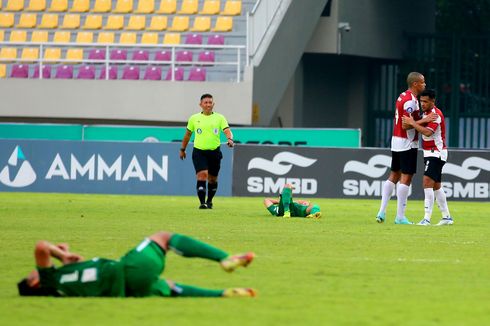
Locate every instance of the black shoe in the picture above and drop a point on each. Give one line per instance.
(203, 206)
(209, 205)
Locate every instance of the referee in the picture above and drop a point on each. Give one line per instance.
(206, 154)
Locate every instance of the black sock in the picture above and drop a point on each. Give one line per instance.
(201, 191)
(212, 188)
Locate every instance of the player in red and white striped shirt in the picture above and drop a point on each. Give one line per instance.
(404, 144)
(435, 156)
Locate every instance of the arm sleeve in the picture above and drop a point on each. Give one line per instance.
(224, 123)
(190, 124)
(409, 107)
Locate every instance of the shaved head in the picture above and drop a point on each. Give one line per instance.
(414, 77)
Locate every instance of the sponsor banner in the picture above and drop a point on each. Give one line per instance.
(101, 167)
(349, 173)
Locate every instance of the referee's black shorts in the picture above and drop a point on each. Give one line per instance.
(405, 161)
(207, 160)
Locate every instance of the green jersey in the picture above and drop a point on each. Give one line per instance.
(296, 209)
(207, 129)
(92, 278)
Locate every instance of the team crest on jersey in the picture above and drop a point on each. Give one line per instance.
(410, 110)
(199, 130)
(215, 131)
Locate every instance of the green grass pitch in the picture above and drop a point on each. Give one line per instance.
(344, 269)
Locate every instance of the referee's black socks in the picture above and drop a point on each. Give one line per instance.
(212, 188)
(201, 191)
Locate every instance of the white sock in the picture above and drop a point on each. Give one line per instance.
(386, 195)
(402, 195)
(442, 202)
(428, 202)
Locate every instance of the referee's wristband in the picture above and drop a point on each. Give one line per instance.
(182, 149)
(230, 139)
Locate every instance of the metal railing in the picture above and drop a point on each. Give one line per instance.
(108, 47)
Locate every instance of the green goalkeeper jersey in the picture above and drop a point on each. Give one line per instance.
(296, 209)
(93, 278)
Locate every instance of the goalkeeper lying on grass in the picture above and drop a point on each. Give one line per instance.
(286, 207)
(136, 274)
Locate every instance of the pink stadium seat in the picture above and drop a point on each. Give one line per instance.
(96, 54)
(193, 39)
(46, 72)
(206, 57)
(197, 74)
(118, 54)
(112, 72)
(86, 72)
(64, 72)
(178, 74)
(131, 73)
(216, 39)
(163, 55)
(141, 55)
(153, 73)
(19, 71)
(183, 56)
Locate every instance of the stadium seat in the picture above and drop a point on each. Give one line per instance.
(145, 7)
(71, 21)
(39, 36)
(118, 54)
(96, 54)
(123, 7)
(163, 55)
(6, 19)
(93, 22)
(197, 74)
(193, 39)
(30, 54)
(3, 70)
(58, 6)
(184, 56)
(180, 24)
(153, 73)
(167, 7)
(19, 71)
(114, 22)
(85, 37)
(49, 21)
(102, 6)
(46, 71)
(110, 74)
(140, 55)
(149, 38)
(171, 38)
(74, 56)
(27, 20)
(189, 7)
(178, 74)
(223, 24)
(64, 72)
(201, 24)
(158, 23)
(216, 39)
(131, 73)
(136, 23)
(18, 36)
(105, 37)
(210, 7)
(127, 38)
(80, 6)
(8, 53)
(15, 5)
(86, 72)
(232, 8)
(52, 54)
(2, 35)
(62, 37)
(206, 57)
(36, 5)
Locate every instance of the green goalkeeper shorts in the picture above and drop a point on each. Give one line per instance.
(142, 268)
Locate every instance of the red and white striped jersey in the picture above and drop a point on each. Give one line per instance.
(435, 145)
(403, 140)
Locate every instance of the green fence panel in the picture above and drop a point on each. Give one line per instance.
(40, 131)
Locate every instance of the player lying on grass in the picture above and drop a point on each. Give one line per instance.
(136, 274)
(287, 207)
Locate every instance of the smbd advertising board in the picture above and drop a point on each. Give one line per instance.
(101, 167)
(349, 173)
